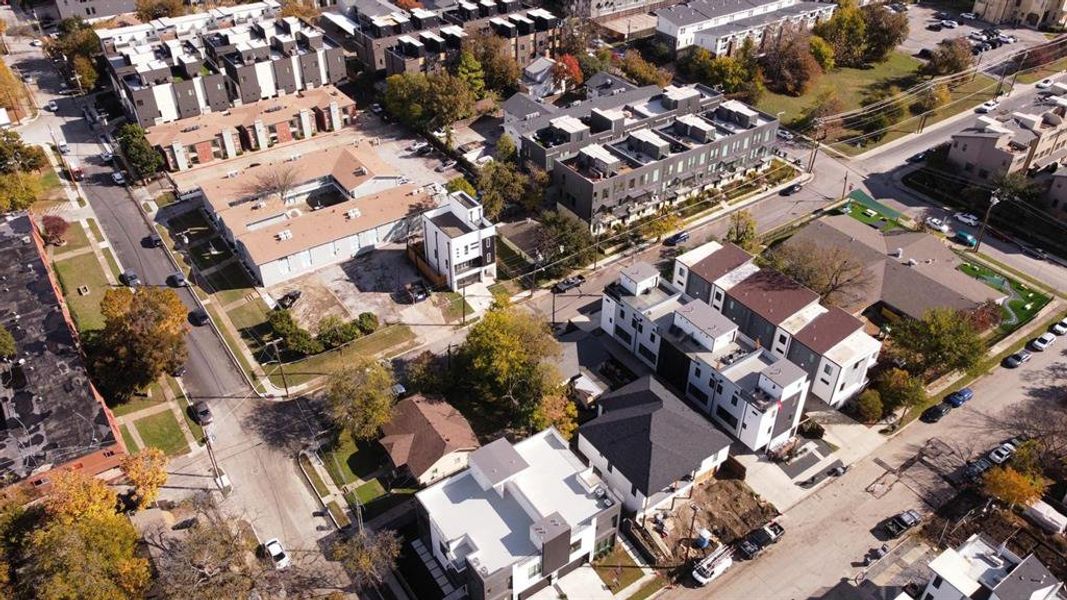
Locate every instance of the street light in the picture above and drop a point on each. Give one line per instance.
(993, 201)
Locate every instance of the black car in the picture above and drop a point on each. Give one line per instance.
(416, 291)
(934, 413)
(789, 191)
(925, 53)
(152, 241)
(679, 238)
(748, 548)
(975, 470)
(567, 284)
(934, 26)
(203, 413)
(1017, 359)
(902, 522)
(130, 278)
(287, 301)
(199, 317)
(917, 158)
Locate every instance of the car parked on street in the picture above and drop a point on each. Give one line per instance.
(935, 413)
(199, 317)
(937, 224)
(177, 280)
(1019, 358)
(713, 565)
(679, 238)
(987, 106)
(976, 469)
(417, 145)
(966, 239)
(203, 413)
(118, 178)
(959, 397)
(966, 219)
(1043, 341)
(901, 522)
(129, 278)
(760, 539)
(789, 191)
(568, 284)
(106, 157)
(784, 134)
(277, 554)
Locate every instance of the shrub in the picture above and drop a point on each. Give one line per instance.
(367, 322)
(334, 332)
(811, 430)
(869, 406)
(55, 229)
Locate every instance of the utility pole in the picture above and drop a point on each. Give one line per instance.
(463, 309)
(993, 201)
(281, 367)
(815, 150)
(554, 308)
(844, 186)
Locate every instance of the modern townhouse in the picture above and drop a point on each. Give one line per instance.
(1026, 13)
(459, 242)
(1000, 145)
(55, 419)
(223, 135)
(520, 516)
(424, 40)
(649, 446)
(753, 394)
(723, 26)
(181, 67)
(781, 316)
(93, 10)
(616, 159)
(981, 568)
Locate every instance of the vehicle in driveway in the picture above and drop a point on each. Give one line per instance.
(51, 106)
(901, 522)
(106, 157)
(1019, 358)
(679, 238)
(966, 239)
(445, 165)
(966, 219)
(784, 134)
(277, 554)
(568, 284)
(203, 413)
(949, 24)
(129, 278)
(935, 413)
(417, 145)
(416, 291)
(937, 224)
(1042, 342)
(1044, 84)
(1002, 453)
(1059, 328)
(63, 148)
(959, 397)
(289, 299)
(118, 178)
(789, 191)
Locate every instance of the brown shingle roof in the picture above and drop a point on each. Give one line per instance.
(422, 431)
(721, 262)
(772, 295)
(828, 329)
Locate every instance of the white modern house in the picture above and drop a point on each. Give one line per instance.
(459, 242)
(722, 26)
(980, 568)
(649, 446)
(517, 518)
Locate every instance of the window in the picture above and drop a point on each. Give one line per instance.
(721, 413)
(936, 582)
(633, 489)
(575, 546)
(652, 337)
(535, 570)
(827, 369)
(614, 521)
(781, 338)
(697, 372)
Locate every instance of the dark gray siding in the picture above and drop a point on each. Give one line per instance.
(215, 92)
(309, 69)
(93, 9)
(244, 77)
(144, 105)
(335, 65)
(185, 94)
(697, 287)
(284, 78)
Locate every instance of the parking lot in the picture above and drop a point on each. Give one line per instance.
(919, 37)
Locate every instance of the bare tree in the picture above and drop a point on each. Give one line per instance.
(368, 556)
(278, 181)
(833, 272)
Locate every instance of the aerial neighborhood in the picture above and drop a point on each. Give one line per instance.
(533, 300)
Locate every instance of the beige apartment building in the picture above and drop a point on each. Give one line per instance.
(996, 146)
(1030, 13)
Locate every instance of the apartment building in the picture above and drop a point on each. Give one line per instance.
(1026, 13)
(424, 40)
(181, 67)
(999, 145)
(723, 26)
(344, 202)
(618, 158)
(1056, 194)
(92, 10)
(517, 518)
(782, 317)
(223, 135)
(754, 395)
(981, 568)
(459, 242)
(54, 417)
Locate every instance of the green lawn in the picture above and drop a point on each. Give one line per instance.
(49, 181)
(386, 340)
(76, 239)
(370, 491)
(375, 500)
(230, 283)
(95, 229)
(162, 431)
(451, 308)
(152, 396)
(313, 475)
(616, 569)
(164, 199)
(860, 213)
(1053, 68)
(250, 319)
(338, 513)
(80, 271)
(109, 256)
(1024, 306)
(186, 408)
(131, 444)
(349, 462)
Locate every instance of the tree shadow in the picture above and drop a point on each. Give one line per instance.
(285, 425)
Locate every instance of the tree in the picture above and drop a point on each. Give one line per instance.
(931, 99)
(950, 56)
(55, 229)
(1027, 459)
(1017, 187)
(660, 225)
(846, 32)
(296, 338)
(143, 338)
(75, 495)
(789, 65)
(469, 70)
(564, 243)
(501, 70)
(642, 72)
(7, 344)
(898, 389)
(869, 406)
(17, 192)
(822, 112)
(406, 98)
(368, 556)
(505, 149)
(500, 183)
(147, 471)
(575, 35)
(822, 52)
(567, 72)
(985, 316)
(307, 11)
(408, 4)
(742, 231)
(1008, 485)
(449, 99)
(17, 156)
(150, 10)
(943, 340)
(885, 31)
(723, 71)
(893, 103)
(556, 410)
(426, 374)
(144, 159)
(460, 184)
(833, 272)
(278, 181)
(359, 397)
(85, 72)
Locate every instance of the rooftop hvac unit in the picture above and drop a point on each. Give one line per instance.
(293, 157)
(259, 205)
(353, 213)
(285, 234)
(232, 174)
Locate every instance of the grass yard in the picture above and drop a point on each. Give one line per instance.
(651, 587)
(369, 492)
(187, 410)
(454, 307)
(385, 341)
(500, 289)
(374, 505)
(250, 319)
(131, 444)
(864, 215)
(80, 271)
(165, 199)
(95, 229)
(1025, 303)
(113, 264)
(152, 396)
(76, 239)
(338, 513)
(162, 431)
(313, 475)
(1053, 68)
(349, 462)
(617, 569)
(230, 283)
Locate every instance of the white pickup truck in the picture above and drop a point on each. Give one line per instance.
(713, 565)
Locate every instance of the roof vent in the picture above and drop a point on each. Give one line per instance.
(285, 234)
(293, 157)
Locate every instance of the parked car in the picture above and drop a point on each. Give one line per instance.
(988, 106)
(1059, 328)
(277, 554)
(416, 291)
(789, 191)
(118, 178)
(760, 539)
(937, 224)
(935, 413)
(714, 565)
(959, 397)
(966, 239)
(199, 317)
(63, 148)
(925, 53)
(969, 16)
(934, 27)
(901, 522)
(1042, 342)
(203, 413)
(978, 36)
(1019, 358)
(417, 145)
(106, 157)
(679, 238)
(129, 278)
(152, 241)
(1002, 453)
(51, 106)
(376, 108)
(784, 134)
(976, 469)
(289, 299)
(568, 284)
(445, 165)
(917, 158)
(178, 280)
(1044, 84)
(966, 219)
(949, 24)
